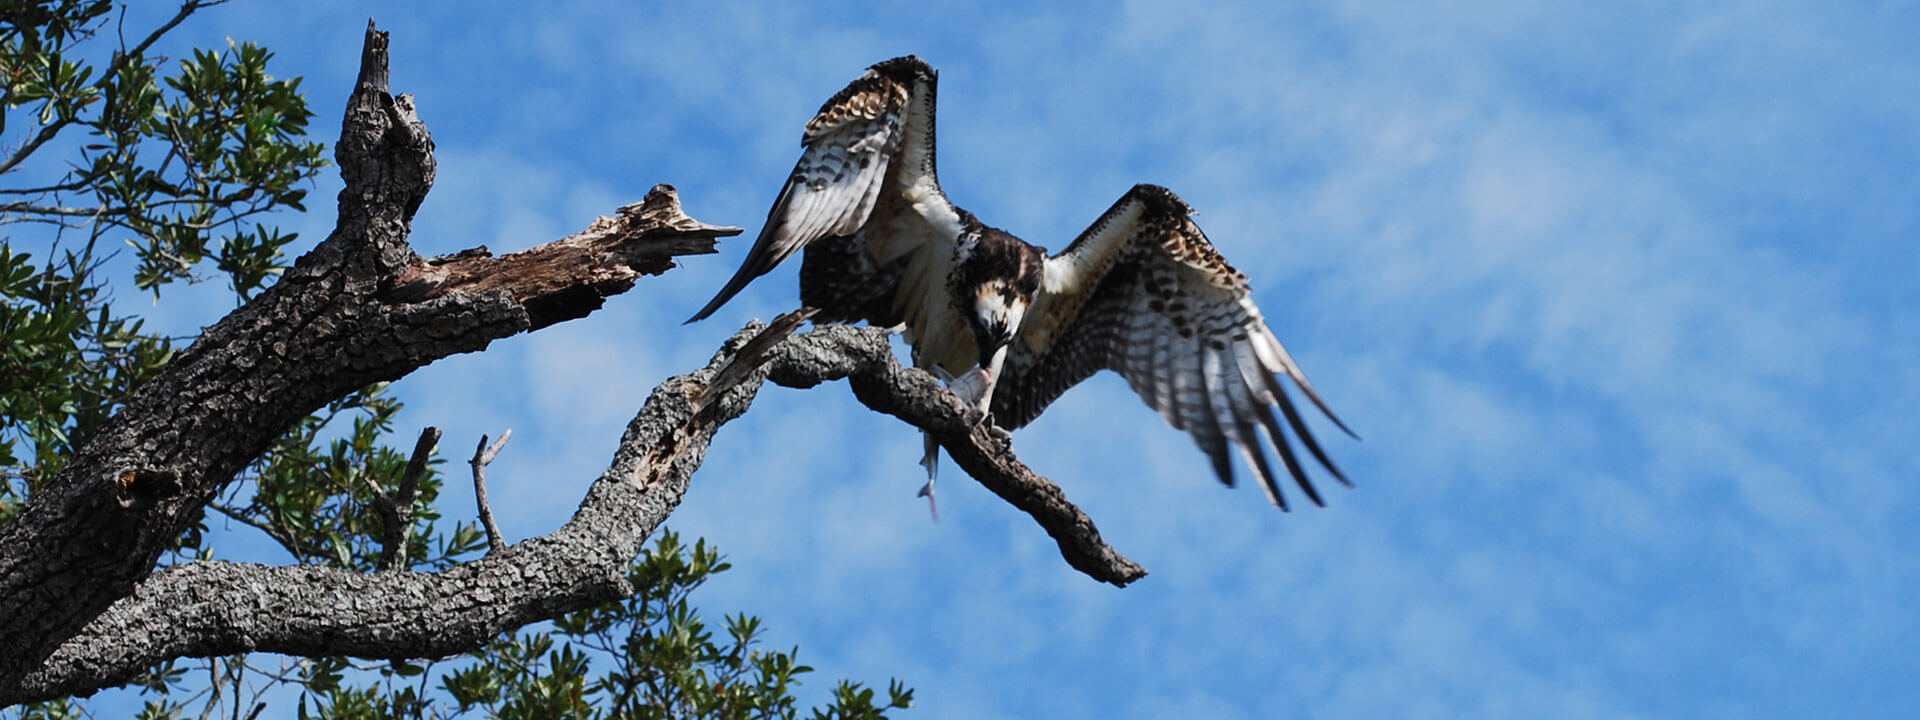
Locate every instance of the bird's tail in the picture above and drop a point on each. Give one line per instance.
(757, 264)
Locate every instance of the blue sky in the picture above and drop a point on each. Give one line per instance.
(1617, 296)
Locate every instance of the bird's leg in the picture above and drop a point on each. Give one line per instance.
(990, 377)
(975, 388)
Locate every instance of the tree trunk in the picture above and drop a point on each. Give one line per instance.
(81, 607)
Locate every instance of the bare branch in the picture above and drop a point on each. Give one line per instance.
(65, 225)
(864, 357)
(417, 466)
(396, 513)
(336, 322)
(27, 208)
(220, 608)
(567, 279)
(493, 451)
(215, 608)
(62, 187)
(80, 605)
(483, 456)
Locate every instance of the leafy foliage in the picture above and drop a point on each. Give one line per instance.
(67, 361)
(314, 495)
(649, 656)
(665, 662)
(180, 163)
(183, 161)
(179, 166)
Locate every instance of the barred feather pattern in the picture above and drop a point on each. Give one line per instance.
(849, 146)
(1141, 291)
(1179, 323)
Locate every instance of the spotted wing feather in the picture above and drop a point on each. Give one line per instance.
(1144, 293)
(848, 148)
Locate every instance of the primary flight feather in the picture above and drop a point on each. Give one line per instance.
(1141, 292)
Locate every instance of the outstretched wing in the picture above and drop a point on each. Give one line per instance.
(1144, 293)
(848, 147)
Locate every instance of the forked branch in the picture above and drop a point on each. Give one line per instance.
(81, 607)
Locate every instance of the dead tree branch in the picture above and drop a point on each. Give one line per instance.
(396, 512)
(360, 308)
(81, 607)
(483, 455)
(864, 357)
(216, 608)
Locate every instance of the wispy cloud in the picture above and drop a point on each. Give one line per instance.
(1613, 293)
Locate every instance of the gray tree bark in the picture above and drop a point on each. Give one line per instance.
(81, 607)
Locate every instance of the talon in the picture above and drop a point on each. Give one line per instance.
(999, 433)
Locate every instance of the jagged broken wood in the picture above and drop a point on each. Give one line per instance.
(340, 319)
(81, 607)
(215, 608)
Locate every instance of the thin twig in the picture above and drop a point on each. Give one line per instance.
(63, 187)
(27, 207)
(113, 68)
(397, 512)
(417, 466)
(483, 455)
(43, 221)
(279, 534)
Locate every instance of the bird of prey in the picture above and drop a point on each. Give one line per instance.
(1141, 292)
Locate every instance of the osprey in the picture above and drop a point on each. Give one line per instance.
(1141, 292)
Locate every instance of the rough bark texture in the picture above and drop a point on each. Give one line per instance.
(217, 608)
(333, 324)
(863, 356)
(81, 607)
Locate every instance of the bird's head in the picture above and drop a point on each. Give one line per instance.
(994, 283)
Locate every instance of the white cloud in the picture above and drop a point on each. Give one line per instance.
(1611, 293)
